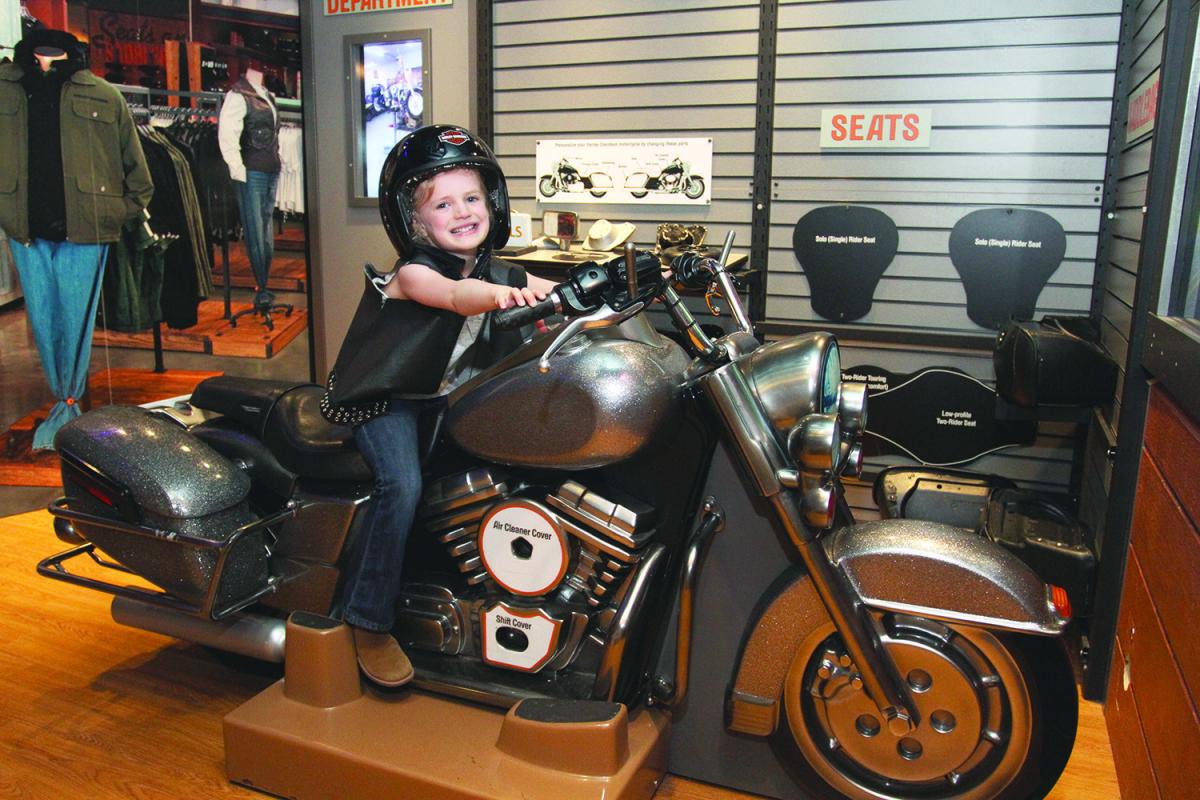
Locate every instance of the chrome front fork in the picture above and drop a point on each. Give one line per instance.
(771, 470)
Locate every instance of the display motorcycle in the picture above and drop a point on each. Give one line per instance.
(408, 103)
(675, 177)
(565, 178)
(665, 537)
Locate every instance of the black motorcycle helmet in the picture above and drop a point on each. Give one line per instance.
(427, 151)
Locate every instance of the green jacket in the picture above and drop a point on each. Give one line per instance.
(105, 178)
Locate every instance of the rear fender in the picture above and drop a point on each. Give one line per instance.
(904, 566)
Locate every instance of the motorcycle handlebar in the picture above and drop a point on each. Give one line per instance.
(519, 316)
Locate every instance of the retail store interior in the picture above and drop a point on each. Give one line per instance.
(977, 221)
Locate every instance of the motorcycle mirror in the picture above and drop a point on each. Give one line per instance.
(561, 225)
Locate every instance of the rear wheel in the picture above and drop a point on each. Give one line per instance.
(997, 715)
(639, 193)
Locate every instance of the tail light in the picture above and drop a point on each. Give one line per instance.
(1061, 601)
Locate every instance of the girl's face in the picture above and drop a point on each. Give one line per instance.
(452, 212)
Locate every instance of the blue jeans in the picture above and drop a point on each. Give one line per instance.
(256, 200)
(61, 282)
(390, 445)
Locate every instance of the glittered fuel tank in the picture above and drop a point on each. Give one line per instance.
(601, 400)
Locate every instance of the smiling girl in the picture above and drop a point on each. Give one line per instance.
(444, 204)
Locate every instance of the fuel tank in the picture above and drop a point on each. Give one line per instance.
(600, 402)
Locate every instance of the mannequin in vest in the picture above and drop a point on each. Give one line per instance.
(73, 173)
(248, 134)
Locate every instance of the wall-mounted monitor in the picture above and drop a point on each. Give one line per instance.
(387, 82)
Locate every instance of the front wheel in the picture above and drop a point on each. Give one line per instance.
(693, 188)
(546, 186)
(997, 716)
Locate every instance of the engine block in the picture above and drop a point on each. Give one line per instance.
(543, 569)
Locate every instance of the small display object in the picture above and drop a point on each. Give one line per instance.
(561, 226)
(388, 76)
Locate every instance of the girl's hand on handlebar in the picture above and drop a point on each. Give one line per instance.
(507, 296)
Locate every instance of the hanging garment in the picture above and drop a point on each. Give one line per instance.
(290, 197)
(62, 289)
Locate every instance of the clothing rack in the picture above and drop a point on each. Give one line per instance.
(140, 101)
(205, 105)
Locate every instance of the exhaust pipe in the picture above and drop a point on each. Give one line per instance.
(254, 635)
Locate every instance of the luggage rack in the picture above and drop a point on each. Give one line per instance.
(55, 566)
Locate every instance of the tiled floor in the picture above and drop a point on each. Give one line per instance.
(23, 387)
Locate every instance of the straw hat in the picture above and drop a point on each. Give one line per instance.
(603, 235)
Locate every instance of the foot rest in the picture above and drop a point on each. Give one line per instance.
(584, 737)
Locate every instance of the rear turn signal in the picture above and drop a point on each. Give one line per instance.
(1060, 601)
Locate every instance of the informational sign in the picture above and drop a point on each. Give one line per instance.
(876, 127)
(336, 7)
(522, 548)
(843, 251)
(938, 416)
(1143, 107)
(520, 232)
(664, 171)
(518, 638)
(1005, 256)
(130, 40)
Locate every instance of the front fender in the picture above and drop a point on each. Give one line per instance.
(906, 566)
(938, 571)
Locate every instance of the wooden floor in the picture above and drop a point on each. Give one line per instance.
(288, 265)
(91, 709)
(21, 466)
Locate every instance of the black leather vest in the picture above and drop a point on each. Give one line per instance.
(260, 129)
(402, 347)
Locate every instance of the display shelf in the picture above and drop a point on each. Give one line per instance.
(214, 335)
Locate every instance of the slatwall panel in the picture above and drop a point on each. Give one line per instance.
(1021, 98)
(567, 69)
(1133, 168)
(1021, 94)
(1122, 249)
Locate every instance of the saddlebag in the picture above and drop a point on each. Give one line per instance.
(164, 505)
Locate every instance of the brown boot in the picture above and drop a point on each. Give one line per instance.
(381, 659)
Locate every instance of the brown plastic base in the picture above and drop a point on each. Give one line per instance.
(321, 733)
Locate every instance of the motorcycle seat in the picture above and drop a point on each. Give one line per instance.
(286, 416)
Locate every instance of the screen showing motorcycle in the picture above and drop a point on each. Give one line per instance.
(389, 86)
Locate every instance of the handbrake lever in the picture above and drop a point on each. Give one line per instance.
(603, 317)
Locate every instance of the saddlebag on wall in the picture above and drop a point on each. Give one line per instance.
(163, 504)
(1052, 362)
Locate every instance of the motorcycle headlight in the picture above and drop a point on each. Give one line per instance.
(796, 377)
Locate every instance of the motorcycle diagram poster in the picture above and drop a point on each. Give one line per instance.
(661, 171)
